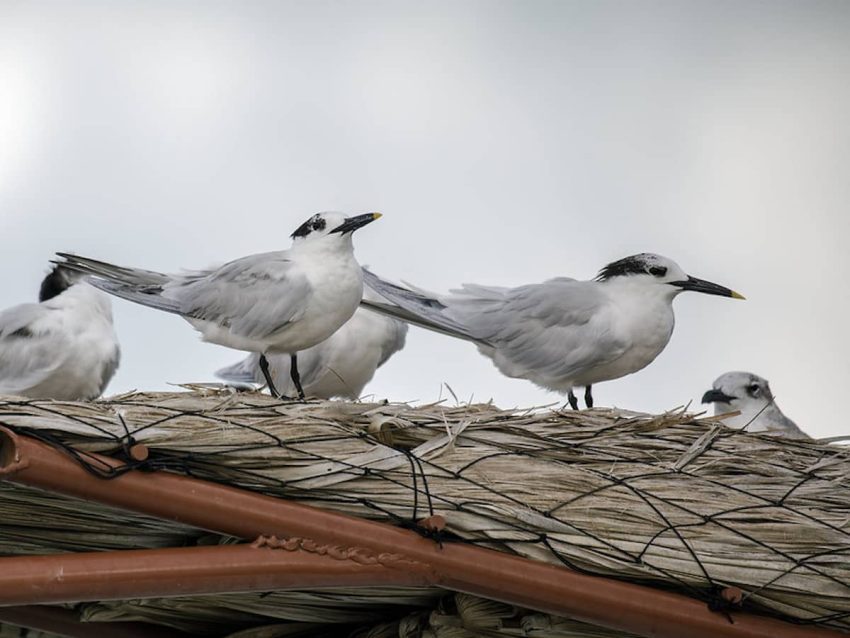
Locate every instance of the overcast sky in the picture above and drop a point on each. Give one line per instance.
(505, 143)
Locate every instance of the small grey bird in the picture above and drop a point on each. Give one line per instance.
(750, 395)
(63, 347)
(339, 366)
(277, 302)
(561, 333)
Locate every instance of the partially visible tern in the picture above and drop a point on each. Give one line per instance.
(750, 394)
(561, 333)
(63, 347)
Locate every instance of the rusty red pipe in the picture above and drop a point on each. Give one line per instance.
(151, 573)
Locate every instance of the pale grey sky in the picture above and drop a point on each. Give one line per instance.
(505, 143)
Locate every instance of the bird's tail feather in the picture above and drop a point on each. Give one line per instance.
(133, 284)
(244, 371)
(147, 297)
(111, 272)
(414, 307)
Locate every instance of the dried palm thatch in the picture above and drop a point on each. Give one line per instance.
(37, 522)
(667, 499)
(332, 611)
(12, 631)
(465, 616)
(454, 616)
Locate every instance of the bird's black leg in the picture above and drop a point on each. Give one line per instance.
(572, 399)
(588, 397)
(296, 378)
(264, 368)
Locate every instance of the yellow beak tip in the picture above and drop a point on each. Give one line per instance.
(737, 295)
(376, 215)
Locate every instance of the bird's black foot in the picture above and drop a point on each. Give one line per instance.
(296, 378)
(588, 396)
(572, 399)
(264, 368)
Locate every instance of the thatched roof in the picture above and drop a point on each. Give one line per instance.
(681, 503)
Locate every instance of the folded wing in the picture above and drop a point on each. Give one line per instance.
(31, 349)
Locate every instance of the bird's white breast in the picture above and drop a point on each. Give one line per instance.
(643, 321)
(337, 287)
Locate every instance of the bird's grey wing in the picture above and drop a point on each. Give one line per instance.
(413, 306)
(29, 352)
(254, 297)
(781, 424)
(245, 371)
(555, 329)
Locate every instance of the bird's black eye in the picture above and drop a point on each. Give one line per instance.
(658, 271)
(753, 390)
(319, 223)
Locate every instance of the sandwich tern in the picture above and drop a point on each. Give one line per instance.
(751, 396)
(339, 366)
(63, 347)
(277, 302)
(561, 333)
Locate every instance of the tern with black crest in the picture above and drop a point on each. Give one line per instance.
(277, 302)
(562, 333)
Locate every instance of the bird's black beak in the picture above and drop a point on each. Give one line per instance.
(701, 285)
(717, 396)
(353, 223)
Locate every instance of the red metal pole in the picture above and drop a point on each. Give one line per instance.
(147, 573)
(609, 603)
